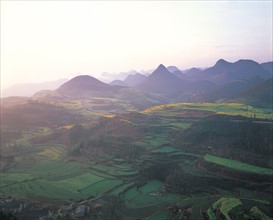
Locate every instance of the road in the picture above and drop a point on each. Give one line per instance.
(84, 104)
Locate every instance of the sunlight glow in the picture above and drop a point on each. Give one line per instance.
(45, 40)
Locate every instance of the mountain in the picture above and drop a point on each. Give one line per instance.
(135, 79)
(200, 86)
(259, 95)
(177, 72)
(108, 77)
(268, 67)
(249, 68)
(146, 72)
(231, 89)
(222, 81)
(29, 89)
(86, 86)
(224, 72)
(226, 91)
(118, 82)
(172, 69)
(161, 81)
(219, 67)
(222, 64)
(189, 74)
(192, 71)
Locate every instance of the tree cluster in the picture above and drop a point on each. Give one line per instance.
(245, 135)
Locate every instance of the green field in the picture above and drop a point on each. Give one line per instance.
(57, 180)
(166, 149)
(234, 164)
(148, 160)
(226, 205)
(148, 195)
(258, 214)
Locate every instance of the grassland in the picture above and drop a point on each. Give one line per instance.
(237, 165)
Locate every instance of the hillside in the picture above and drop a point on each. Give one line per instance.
(222, 81)
(224, 72)
(259, 95)
(85, 86)
(226, 91)
(268, 66)
(118, 82)
(134, 79)
(192, 157)
(173, 69)
(161, 81)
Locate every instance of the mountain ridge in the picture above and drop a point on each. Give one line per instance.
(161, 81)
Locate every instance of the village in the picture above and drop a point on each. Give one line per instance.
(14, 208)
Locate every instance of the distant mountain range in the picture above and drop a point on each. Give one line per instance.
(109, 77)
(245, 79)
(29, 89)
(224, 72)
(133, 80)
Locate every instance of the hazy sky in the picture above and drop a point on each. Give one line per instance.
(45, 40)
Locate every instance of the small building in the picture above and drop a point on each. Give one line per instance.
(81, 211)
(9, 199)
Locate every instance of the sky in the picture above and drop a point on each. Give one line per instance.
(50, 40)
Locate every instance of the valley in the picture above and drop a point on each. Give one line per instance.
(94, 151)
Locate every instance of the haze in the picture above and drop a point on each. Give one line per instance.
(48, 40)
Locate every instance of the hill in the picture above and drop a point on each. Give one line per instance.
(161, 81)
(29, 89)
(226, 91)
(229, 90)
(135, 79)
(108, 77)
(173, 69)
(86, 86)
(259, 95)
(224, 80)
(192, 71)
(118, 82)
(224, 72)
(268, 67)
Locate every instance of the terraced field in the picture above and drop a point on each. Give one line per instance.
(52, 176)
(162, 178)
(182, 110)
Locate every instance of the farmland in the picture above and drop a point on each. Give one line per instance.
(159, 163)
(181, 109)
(233, 164)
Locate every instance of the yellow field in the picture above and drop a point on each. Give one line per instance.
(51, 153)
(217, 108)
